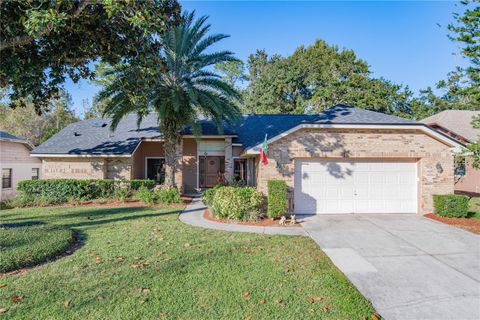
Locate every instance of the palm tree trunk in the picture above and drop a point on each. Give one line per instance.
(172, 136)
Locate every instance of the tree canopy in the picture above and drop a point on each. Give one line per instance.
(43, 41)
(461, 88)
(316, 77)
(37, 128)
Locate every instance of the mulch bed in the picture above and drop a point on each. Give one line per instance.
(471, 225)
(128, 203)
(267, 222)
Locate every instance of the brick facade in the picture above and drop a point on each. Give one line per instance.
(434, 158)
(75, 168)
(119, 168)
(87, 168)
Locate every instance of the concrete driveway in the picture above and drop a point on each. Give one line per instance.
(409, 267)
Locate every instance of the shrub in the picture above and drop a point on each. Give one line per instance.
(451, 205)
(123, 191)
(23, 201)
(277, 198)
(136, 184)
(146, 195)
(209, 194)
(4, 205)
(236, 203)
(167, 195)
(61, 190)
(19, 201)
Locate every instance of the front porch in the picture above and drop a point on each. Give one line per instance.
(204, 163)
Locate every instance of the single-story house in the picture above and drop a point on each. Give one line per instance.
(343, 160)
(16, 164)
(458, 125)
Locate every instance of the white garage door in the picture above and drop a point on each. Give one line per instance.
(355, 187)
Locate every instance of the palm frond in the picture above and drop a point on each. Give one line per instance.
(207, 42)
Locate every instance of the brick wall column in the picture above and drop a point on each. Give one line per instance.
(179, 166)
(228, 159)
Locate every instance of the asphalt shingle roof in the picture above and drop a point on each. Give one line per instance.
(456, 121)
(252, 129)
(90, 137)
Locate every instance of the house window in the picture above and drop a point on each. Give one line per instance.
(6, 178)
(240, 170)
(155, 169)
(35, 173)
(460, 167)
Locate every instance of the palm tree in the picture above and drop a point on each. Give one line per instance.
(176, 82)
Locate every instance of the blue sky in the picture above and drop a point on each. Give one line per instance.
(401, 41)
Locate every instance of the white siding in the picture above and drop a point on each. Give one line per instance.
(16, 156)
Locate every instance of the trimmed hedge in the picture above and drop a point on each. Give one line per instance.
(277, 198)
(61, 190)
(451, 205)
(242, 203)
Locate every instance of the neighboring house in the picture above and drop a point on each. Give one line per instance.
(458, 124)
(16, 164)
(343, 160)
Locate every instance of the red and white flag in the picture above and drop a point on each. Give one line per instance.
(263, 152)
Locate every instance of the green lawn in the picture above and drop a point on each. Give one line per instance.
(143, 263)
(27, 244)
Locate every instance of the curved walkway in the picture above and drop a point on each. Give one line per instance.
(193, 215)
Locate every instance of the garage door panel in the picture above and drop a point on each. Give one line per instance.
(355, 187)
(406, 179)
(361, 178)
(346, 206)
(347, 192)
(332, 193)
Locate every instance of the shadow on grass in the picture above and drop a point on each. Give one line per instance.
(21, 224)
(100, 212)
(93, 222)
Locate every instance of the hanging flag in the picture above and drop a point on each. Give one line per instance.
(263, 152)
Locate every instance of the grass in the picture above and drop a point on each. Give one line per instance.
(27, 244)
(475, 208)
(143, 263)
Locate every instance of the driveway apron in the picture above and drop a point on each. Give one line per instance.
(408, 266)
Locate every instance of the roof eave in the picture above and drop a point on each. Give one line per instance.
(69, 155)
(425, 128)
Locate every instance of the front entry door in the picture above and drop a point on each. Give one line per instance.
(211, 171)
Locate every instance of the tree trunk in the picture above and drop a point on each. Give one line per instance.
(171, 136)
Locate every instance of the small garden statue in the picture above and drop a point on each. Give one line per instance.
(283, 219)
(293, 220)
